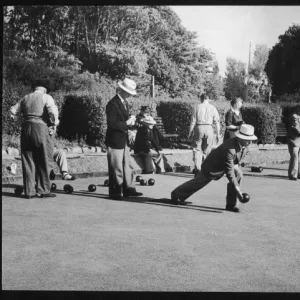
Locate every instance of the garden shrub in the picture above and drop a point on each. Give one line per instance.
(83, 116)
(288, 109)
(263, 120)
(11, 94)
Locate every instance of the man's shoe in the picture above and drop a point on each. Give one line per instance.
(174, 201)
(116, 197)
(232, 208)
(132, 194)
(292, 178)
(52, 175)
(68, 176)
(50, 195)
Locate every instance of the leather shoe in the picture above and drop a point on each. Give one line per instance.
(232, 208)
(116, 197)
(132, 194)
(174, 201)
(52, 175)
(292, 178)
(50, 195)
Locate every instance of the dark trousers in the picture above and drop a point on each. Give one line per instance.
(190, 187)
(34, 155)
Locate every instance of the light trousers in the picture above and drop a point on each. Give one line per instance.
(121, 176)
(294, 165)
(151, 162)
(202, 142)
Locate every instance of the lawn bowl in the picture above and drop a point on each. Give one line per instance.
(68, 189)
(92, 188)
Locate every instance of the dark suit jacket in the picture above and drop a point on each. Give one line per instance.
(221, 161)
(117, 115)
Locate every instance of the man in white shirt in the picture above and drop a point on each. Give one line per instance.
(203, 117)
(36, 110)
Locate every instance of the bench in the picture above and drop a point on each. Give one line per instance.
(281, 131)
(160, 126)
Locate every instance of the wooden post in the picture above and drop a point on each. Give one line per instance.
(153, 87)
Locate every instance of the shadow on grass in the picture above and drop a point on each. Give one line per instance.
(267, 176)
(141, 200)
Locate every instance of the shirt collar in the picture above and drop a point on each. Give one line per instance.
(121, 98)
(235, 110)
(40, 89)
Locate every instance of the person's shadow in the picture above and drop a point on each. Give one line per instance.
(140, 200)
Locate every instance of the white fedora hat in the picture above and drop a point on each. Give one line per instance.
(246, 132)
(128, 86)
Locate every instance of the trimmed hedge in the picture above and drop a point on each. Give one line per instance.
(83, 116)
(287, 110)
(263, 120)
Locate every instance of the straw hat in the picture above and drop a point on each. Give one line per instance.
(246, 132)
(128, 86)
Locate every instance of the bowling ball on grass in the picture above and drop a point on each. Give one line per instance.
(19, 190)
(106, 182)
(92, 188)
(151, 181)
(143, 182)
(245, 198)
(139, 178)
(68, 189)
(53, 187)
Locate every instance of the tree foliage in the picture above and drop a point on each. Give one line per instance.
(283, 65)
(114, 41)
(234, 79)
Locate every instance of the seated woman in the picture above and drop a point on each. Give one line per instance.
(147, 138)
(233, 118)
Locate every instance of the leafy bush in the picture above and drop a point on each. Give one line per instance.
(289, 98)
(288, 109)
(263, 120)
(11, 94)
(83, 116)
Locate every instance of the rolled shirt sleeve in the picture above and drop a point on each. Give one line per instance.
(194, 118)
(216, 117)
(229, 167)
(52, 109)
(15, 111)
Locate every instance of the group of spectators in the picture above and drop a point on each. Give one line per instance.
(212, 159)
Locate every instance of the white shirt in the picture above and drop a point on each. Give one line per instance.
(204, 113)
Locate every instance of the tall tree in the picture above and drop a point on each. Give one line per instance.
(234, 78)
(283, 65)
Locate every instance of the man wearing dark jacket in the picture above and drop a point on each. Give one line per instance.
(121, 177)
(223, 160)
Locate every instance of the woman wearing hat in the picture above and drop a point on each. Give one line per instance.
(121, 177)
(233, 118)
(148, 137)
(225, 159)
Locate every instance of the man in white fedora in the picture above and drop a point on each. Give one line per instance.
(225, 159)
(121, 177)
